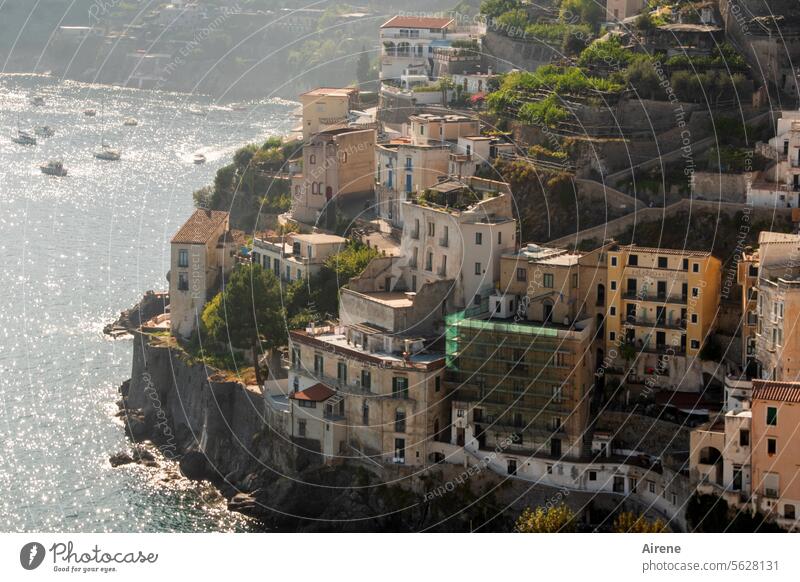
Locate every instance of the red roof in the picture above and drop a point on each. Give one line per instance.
(480, 96)
(773, 390)
(316, 393)
(200, 227)
(417, 22)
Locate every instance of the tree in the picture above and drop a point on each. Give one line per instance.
(247, 313)
(555, 519)
(584, 11)
(628, 522)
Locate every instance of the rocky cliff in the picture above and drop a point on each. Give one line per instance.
(216, 429)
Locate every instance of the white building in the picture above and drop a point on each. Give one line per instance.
(408, 41)
(296, 256)
(779, 185)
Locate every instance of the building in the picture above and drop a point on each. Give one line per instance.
(619, 10)
(326, 107)
(470, 154)
(776, 449)
(408, 41)
(375, 393)
(431, 129)
(338, 165)
(456, 231)
(296, 256)
(201, 254)
(664, 304)
(779, 185)
(402, 168)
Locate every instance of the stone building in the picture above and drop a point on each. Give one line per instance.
(201, 254)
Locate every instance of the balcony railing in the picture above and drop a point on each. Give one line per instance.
(655, 297)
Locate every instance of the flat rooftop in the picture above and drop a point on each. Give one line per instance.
(331, 339)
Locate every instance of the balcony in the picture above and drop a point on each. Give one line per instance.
(655, 323)
(444, 242)
(655, 297)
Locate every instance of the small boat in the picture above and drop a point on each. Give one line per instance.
(24, 138)
(44, 131)
(54, 168)
(239, 106)
(89, 112)
(108, 153)
(197, 110)
(130, 122)
(199, 159)
(37, 101)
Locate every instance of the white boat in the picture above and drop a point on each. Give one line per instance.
(199, 159)
(130, 122)
(89, 112)
(24, 138)
(44, 131)
(37, 101)
(54, 168)
(108, 153)
(194, 110)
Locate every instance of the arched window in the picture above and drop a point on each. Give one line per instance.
(403, 49)
(601, 294)
(312, 159)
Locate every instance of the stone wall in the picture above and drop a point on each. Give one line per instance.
(721, 186)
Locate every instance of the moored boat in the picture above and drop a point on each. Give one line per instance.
(54, 168)
(24, 138)
(199, 159)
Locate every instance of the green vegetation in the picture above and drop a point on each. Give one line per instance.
(247, 186)
(556, 519)
(246, 314)
(711, 514)
(318, 298)
(629, 522)
(608, 54)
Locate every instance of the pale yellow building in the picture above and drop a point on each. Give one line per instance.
(326, 107)
(617, 10)
(661, 301)
(201, 253)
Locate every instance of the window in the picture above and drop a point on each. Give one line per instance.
(318, 364)
(662, 262)
(399, 420)
(341, 372)
(613, 285)
(613, 261)
(365, 414)
(685, 264)
(307, 404)
(400, 451)
(695, 292)
(183, 258)
(478, 269)
(575, 280)
(301, 427)
(522, 274)
(788, 511)
(511, 467)
(547, 280)
(619, 484)
(612, 336)
(400, 387)
(312, 159)
(592, 475)
(695, 344)
(633, 260)
(612, 310)
(695, 267)
(772, 416)
(772, 446)
(366, 379)
(437, 383)
(500, 238)
(694, 318)
(429, 261)
(431, 228)
(744, 438)
(183, 282)
(478, 238)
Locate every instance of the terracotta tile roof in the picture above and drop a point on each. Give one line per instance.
(416, 22)
(316, 393)
(200, 227)
(773, 390)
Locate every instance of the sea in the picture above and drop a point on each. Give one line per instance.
(74, 252)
